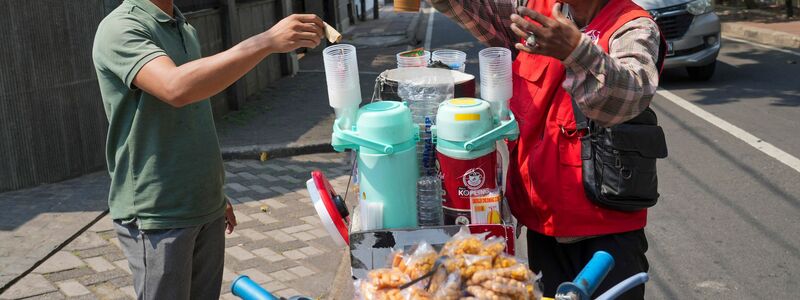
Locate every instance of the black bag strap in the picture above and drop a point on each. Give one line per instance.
(581, 122)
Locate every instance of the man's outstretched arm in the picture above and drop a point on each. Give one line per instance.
(487, 20)
(202, 78)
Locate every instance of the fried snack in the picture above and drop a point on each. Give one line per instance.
(416, 293)
(518, 272)
(390, 294)
(493, 247)
(486, 294)
(387, 278)
(473, 269)
(419, 263)
(397, 259)
(507, 286)
(411, 293)
(504, 261)
(475, 263)
(466, 245)
(364, 290)
(532, 292)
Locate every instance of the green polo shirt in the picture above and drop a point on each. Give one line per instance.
(165, 163)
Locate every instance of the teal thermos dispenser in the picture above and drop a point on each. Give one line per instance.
(384, 138)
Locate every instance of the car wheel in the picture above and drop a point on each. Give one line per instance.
(702, 73)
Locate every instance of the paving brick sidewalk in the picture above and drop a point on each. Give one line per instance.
(285, 249)
(36, 221)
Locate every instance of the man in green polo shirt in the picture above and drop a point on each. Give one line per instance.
(163, 154)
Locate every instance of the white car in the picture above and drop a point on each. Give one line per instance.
(692, 31)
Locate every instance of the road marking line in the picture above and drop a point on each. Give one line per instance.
(761, 45)
(761, 145)
(429, 30)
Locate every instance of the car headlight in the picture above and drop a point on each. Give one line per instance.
(699, 7)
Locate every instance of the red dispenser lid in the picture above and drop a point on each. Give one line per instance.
(330, 207)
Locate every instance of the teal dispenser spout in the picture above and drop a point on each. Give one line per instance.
(384, 138)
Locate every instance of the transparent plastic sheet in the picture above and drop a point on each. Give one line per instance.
(423, 93)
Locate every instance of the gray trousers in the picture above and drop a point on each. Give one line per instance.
(181, 263)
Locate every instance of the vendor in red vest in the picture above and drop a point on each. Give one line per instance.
(605, 55)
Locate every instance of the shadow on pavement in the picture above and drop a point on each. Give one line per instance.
(743, 81)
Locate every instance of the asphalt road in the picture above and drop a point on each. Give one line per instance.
(728, 222)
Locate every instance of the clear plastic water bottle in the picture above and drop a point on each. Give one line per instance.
(423, 111)
(429, 201)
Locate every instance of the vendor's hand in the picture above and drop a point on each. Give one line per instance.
(295, 31)
(230, 218)
(556, 37)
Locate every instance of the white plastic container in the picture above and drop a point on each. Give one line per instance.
(496, 79)
(344, 88)
(414, 61)
(455, 59)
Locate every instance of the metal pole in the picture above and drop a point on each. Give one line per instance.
(376, 12)
(363, 10)
(230, 37)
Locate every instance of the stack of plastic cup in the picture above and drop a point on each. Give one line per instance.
(496, 79)
(344, 89)
(413, 61)
(455, 59)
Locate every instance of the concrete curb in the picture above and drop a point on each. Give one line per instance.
(276, 150)
(761, 35)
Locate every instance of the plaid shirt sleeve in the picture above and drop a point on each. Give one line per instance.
(488, 20)
(615, 87)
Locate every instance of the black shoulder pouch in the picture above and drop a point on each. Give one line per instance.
(619, 162)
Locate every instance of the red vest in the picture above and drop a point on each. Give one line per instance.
(545, 187)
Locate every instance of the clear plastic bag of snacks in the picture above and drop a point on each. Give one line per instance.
(420, 262)
(473, 268)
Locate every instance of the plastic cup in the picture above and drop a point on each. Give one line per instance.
(455, 59)
(344, 88)
(496, 79)
(413, 61)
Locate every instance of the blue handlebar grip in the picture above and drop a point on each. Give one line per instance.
(594, 272)
(247, 289)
